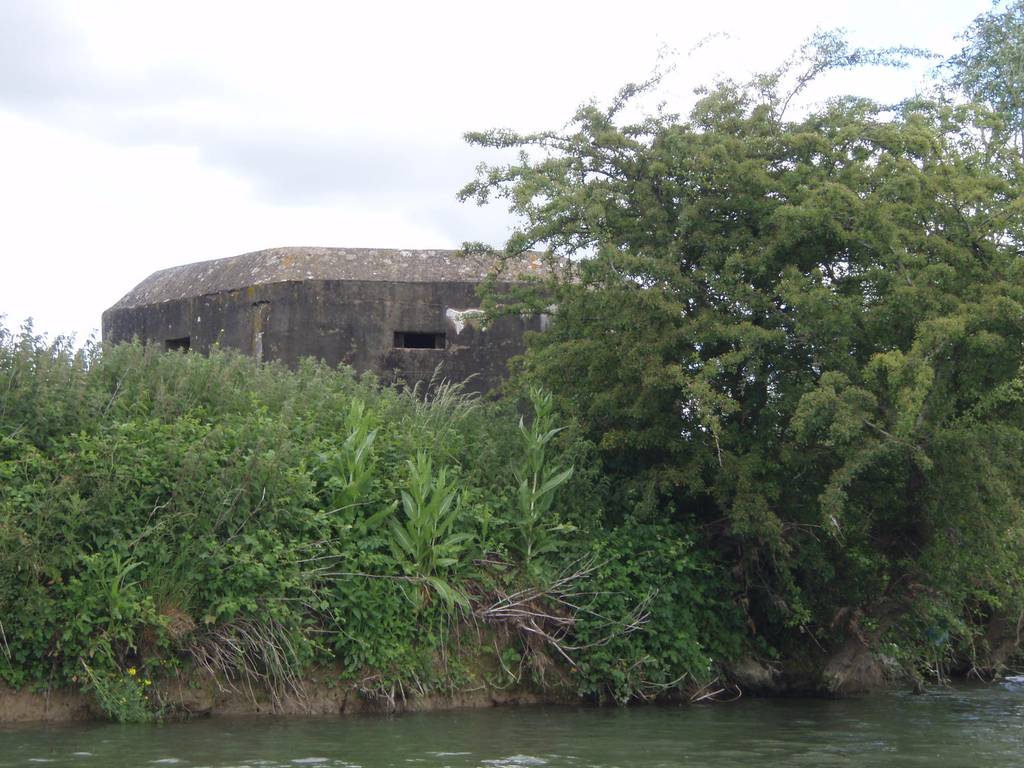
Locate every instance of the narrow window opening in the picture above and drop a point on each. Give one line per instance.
(178, 345)
(414, 340)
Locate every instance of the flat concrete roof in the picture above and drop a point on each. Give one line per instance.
(281, 265)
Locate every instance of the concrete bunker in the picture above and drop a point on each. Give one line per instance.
(400, 313)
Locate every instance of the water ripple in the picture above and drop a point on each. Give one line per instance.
(963, 726)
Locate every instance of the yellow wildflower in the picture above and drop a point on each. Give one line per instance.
(132, 671)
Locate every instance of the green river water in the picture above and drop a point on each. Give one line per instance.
(964, 726)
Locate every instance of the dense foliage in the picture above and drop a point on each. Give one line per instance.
(167, 512)
(802, 337)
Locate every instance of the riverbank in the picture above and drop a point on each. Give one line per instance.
(851, 673)
(959, 726)
(187, 699)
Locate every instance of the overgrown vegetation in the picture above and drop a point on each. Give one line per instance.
(161, 513)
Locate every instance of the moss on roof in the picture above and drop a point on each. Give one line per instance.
(279, 265)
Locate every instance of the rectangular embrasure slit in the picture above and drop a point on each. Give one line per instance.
(418, 340)
(180, 345)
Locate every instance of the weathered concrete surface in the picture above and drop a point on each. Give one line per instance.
(338, 305)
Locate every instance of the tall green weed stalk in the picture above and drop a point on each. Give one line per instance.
(537, 485)
(425, 541)
(348, 472)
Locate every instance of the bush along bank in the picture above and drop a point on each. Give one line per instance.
(167, 516)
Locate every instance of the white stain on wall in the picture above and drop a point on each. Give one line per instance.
(460, 318)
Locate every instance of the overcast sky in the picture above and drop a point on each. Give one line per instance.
(139, 135)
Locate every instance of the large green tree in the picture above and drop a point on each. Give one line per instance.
(989, 69)
(803, 336)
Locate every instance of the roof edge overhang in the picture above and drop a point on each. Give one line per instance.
(285, 265)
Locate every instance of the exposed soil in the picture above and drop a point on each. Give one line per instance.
(48, 706)
(184, 699)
